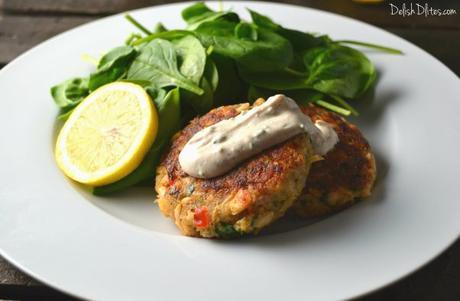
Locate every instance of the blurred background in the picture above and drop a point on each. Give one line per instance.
(25, 23)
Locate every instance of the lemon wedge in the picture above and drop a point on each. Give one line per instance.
(107, 135)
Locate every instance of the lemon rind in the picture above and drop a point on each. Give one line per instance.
(135, 153)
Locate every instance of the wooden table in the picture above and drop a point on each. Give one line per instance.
(25, 23)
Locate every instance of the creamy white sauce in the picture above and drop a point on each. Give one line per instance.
(217, 149)
(326, 140)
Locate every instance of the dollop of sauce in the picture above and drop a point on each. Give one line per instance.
(217, 149)
(326, 140)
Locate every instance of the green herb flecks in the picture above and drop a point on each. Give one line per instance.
(227, 231)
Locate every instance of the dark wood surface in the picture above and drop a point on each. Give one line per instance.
(25, 23)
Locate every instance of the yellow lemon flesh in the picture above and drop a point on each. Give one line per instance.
(107, 135)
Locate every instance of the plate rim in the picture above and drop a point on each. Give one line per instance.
(19, 58)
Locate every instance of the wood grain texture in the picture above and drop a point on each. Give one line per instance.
(19, 33)
(10, 275)
(90, 7)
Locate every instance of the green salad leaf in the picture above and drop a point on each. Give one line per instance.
(159, 27)
(300, 40)
(201, 104)
(339, 70)
(231, 88)
(246, 31)
(65, 114)
(219, 59)
(263, 21)
(269, 47)
(196, 12)
(112, 66)
(157, 62)
(335, 70)
(165, 35)
(199, 13)
(191, 57)
(169, 113)
(211, 73)
(70, 93)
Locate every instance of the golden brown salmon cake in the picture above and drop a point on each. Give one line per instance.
(345, 175)
(244, 200)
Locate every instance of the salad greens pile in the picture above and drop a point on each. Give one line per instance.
(220, 59)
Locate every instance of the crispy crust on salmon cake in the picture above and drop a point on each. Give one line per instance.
(242, 201)
(346, 174)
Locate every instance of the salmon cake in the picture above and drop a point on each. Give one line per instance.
(346, 173)
(244, 200)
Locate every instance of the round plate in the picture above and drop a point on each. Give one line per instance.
(121, 248)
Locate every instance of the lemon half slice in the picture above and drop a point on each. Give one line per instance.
(107, 135)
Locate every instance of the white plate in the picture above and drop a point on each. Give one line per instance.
(122, 249)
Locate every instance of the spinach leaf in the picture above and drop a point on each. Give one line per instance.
(263, 21)
(209, 83)
(201, 104)
(371, 46)
(143, 172)
(158, 96)
(165, 35)
(70, 92)
(157, 63)
(199, 13)
(195, 12)
(132, 38)
(192, 57)
(339, 70)
(211, 73)
(303, 41)
(64, 115)
(269, 52)
(114, 56)
(305, 96)
(168, 108)
(137, 24)
(188, 113)
(159, 27)
(300, 40)
(246, 31)
(112, 66)
(169, 113)
(230, 88)
(274, 80)
(333, 70)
